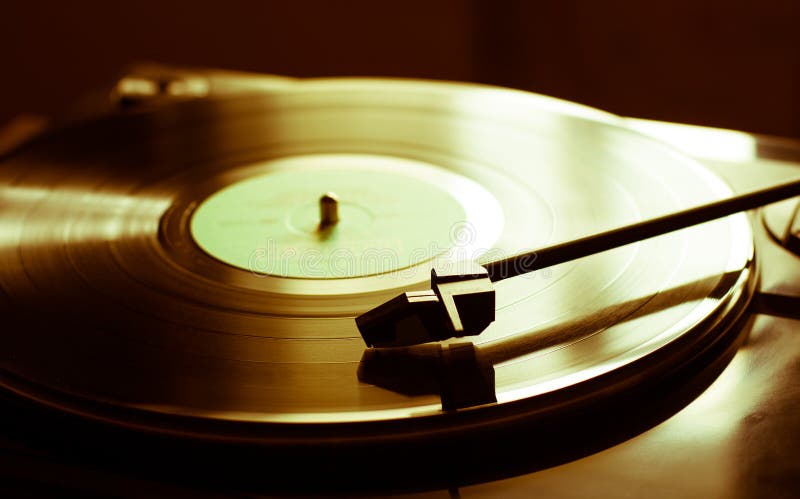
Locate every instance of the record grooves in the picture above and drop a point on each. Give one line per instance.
(171, 284)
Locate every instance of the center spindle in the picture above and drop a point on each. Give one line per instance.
(328, 210)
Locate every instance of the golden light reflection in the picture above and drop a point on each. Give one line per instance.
(520, 105)
(140, 87)
(21, 196)
(727, 387)
(103, 213)
(698, 141)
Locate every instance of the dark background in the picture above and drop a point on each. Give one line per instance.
(732, 64)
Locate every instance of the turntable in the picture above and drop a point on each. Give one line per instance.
(182, 273)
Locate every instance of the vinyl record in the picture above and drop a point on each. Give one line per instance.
(163, 269)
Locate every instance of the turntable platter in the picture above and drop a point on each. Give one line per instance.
(132, 295)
